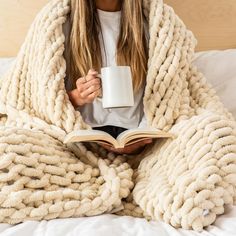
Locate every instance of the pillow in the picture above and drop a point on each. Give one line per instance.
(219, 67)
(5, 63)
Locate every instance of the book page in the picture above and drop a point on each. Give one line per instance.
(139, 134)
(136, 140)
(91, 136)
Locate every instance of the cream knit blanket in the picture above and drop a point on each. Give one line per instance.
(185, 182)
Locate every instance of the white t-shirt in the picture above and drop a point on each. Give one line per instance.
(93, 113)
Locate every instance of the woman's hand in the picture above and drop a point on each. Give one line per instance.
(130, 149)
(87, 89)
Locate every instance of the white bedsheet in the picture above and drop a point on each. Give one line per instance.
(112, 225)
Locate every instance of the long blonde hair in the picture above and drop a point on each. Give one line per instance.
(84, 48)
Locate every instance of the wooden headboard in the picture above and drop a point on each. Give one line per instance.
(212, 21)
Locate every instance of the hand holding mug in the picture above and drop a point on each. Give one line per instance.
(87, 89)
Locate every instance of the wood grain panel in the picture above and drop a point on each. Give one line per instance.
(212, 21)
(15, 19)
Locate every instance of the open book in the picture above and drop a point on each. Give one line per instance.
(125, 138)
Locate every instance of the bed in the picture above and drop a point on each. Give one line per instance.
(215, 58)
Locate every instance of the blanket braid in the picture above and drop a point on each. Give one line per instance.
(40, 57)
(186, 181)
(41, 179)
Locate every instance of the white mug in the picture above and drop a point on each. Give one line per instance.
(117, 87)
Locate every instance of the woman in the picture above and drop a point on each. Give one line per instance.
(106, 33)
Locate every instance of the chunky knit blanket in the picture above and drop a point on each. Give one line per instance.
(185, 182)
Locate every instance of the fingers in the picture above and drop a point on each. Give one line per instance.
(146, 141)
(91, 96)
(87, 90)
(91, 83)
(91, 75)
(92, 72)
(87, 80)
(89, 87)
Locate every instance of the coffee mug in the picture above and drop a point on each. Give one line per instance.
(117, 87)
